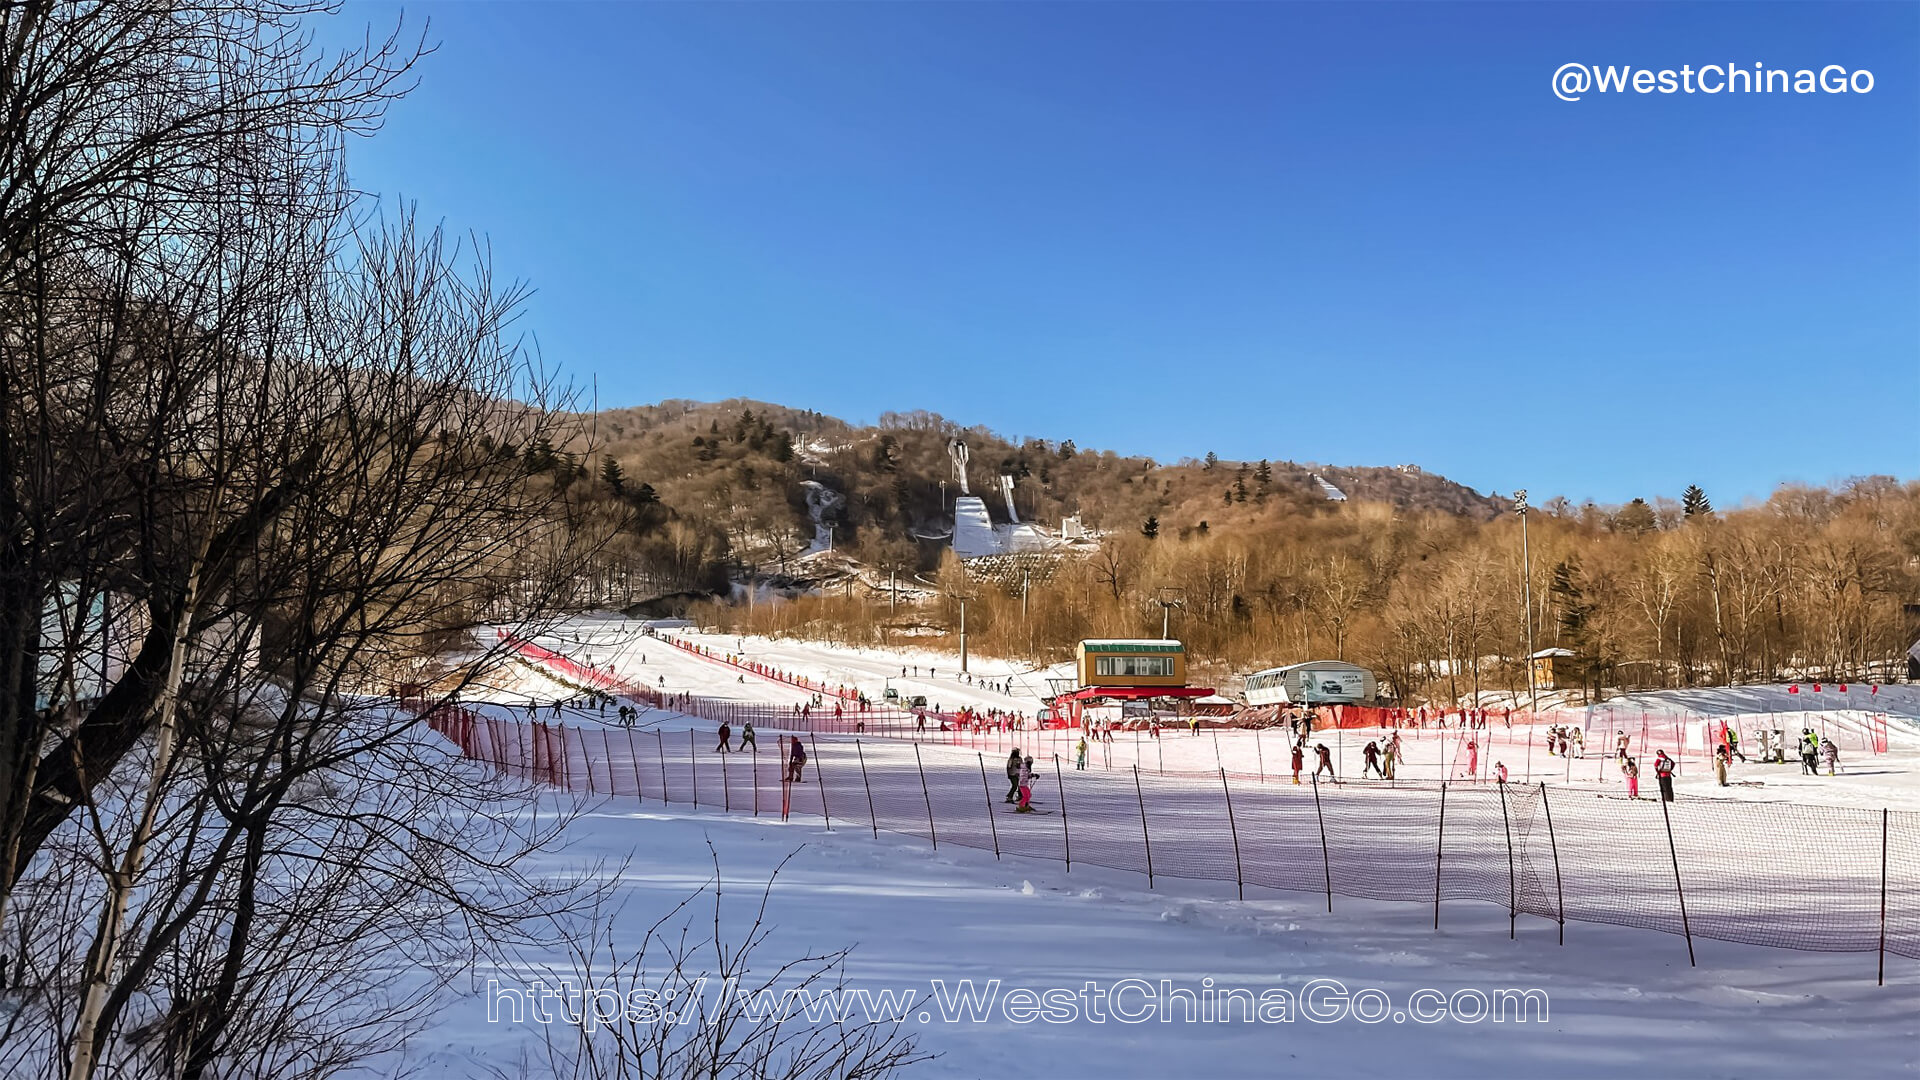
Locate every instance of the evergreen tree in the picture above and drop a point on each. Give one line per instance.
(611, 474)
(1213, 460)
(1636, 517)
(1695, 503)
(1151, 527)
(1263, 473)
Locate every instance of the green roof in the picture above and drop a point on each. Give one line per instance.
(1132, 646)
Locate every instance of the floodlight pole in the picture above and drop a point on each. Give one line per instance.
(1526, 592)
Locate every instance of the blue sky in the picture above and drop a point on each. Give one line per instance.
(1358, 234)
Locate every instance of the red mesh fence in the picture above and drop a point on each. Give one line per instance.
(1775, 874)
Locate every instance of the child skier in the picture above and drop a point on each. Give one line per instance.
(1372, 754)
(1025, 784)
(1631, 770)
(1299, 760)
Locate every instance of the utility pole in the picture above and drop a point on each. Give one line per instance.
(893, 592)
(963, 635)
(1526, 593)
(1169, 599)
(1026, 581)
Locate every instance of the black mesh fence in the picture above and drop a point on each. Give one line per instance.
(1785, 875)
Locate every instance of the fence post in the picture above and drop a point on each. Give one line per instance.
(1685, 928)
(1559, 894)
(1065, 833)
(1439, 852)
(660, 743)
(1513, 897)
(566, 765)
(868, 784)
(693, 763)
(606, 746)
(1259, 757)
(753, 764)
(820, 777)
(726, 789)
(1326, 862)
(1883, 896)
(931, 833)
(1239, 879)
(1147, 839)
(988, 789)
(633, 756)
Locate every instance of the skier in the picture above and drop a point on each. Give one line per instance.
(1733, 745)
(1663, 772)
(1080, 752)
(726, 736)
(1392, 754)
(1024, 784)
(1621, 739)
(1326, 762)
(1473, 757)
(1721, 759)
(1372, 754)
(1580, 742)
(746, 736)
(1809, 752)
(796, 761)
(1299, 759)
(1830, 753)
(1631, 770)
(1013, 774)
(1499, 773)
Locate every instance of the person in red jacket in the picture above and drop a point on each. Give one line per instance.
(1663, 771)
(1299, 760)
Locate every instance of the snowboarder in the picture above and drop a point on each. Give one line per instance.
(1372, 754)
(726, 737)
(1663, 772)
(1013, 774)
(1080, 754)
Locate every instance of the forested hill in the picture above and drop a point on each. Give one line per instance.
(742, 467)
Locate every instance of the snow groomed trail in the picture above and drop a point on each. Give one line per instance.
(1825, 878)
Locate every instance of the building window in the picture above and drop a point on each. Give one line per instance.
(1135, 666)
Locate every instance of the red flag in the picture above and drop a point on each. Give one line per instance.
(1876, 688)
(1843, 688)
(1816, 688)
(1794, 689)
